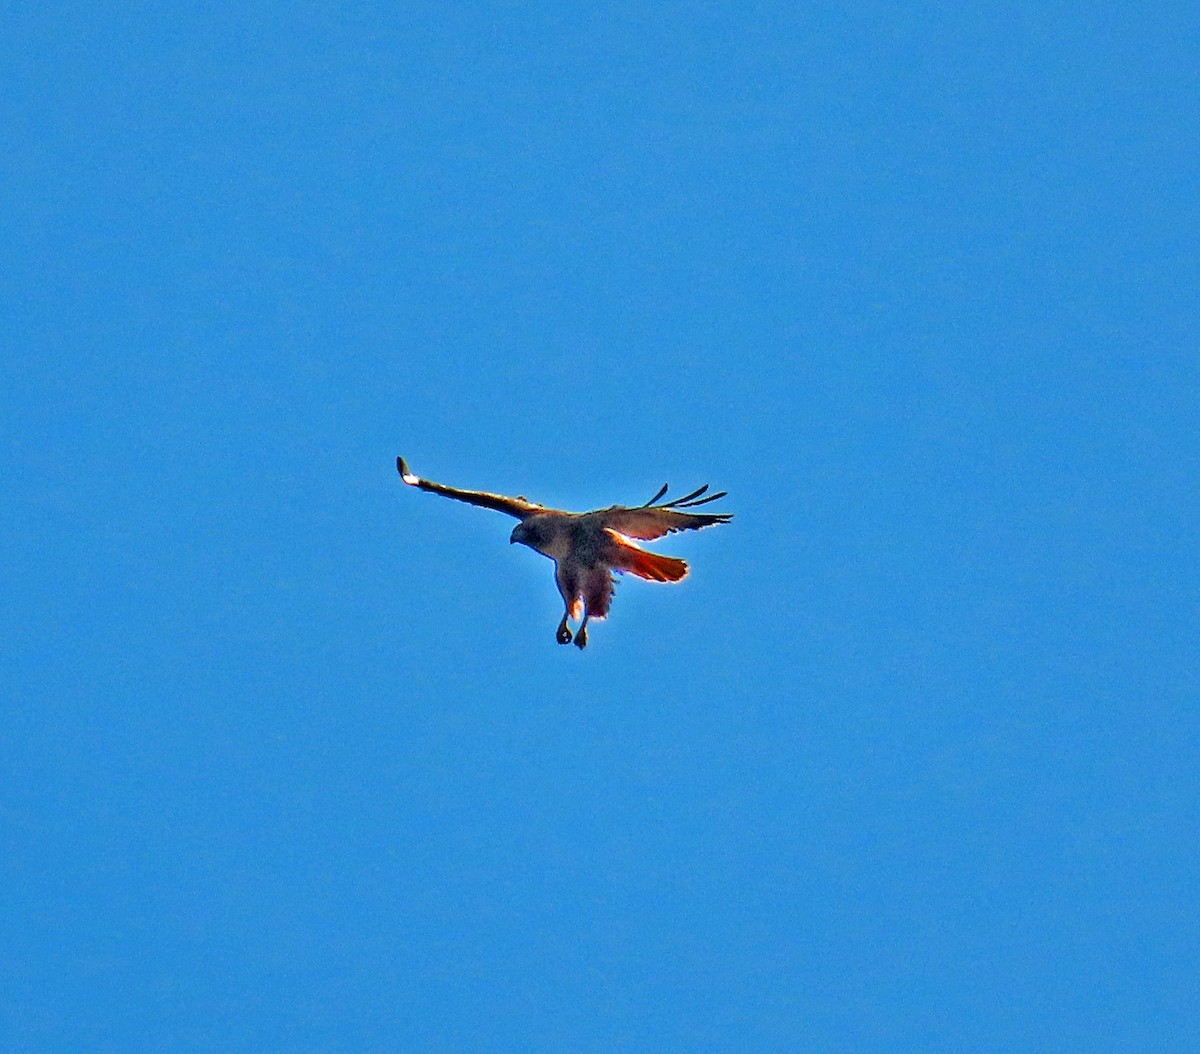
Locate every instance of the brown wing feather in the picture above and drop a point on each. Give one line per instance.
(646, 524)
(518, 507)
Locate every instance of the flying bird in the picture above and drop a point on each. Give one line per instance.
(587, 547)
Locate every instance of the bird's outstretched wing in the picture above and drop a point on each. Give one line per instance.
(651, 520)
(518, 507)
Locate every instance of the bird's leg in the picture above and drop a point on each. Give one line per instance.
(564, 634)
(581, 634)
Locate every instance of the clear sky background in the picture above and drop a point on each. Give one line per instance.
(290, 761)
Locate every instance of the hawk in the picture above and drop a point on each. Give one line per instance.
(587, 547)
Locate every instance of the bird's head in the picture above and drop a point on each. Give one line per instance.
(533, 533)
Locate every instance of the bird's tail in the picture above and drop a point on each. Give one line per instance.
(645, 564)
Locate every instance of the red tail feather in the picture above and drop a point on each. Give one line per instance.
(645, 564)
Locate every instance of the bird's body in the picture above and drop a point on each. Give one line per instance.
(588, 547)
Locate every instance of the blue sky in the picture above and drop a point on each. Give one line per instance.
(291, 760)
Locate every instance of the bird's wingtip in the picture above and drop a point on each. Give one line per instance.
(405, 474)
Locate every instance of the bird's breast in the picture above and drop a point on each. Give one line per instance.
(571, 538)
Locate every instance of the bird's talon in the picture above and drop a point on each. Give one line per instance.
(581, 639)
(564, 635)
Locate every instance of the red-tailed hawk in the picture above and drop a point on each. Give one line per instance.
(587, 547)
